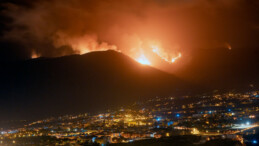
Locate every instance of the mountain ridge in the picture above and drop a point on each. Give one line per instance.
(81, 83)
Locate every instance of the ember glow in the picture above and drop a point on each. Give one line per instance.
(228, 46)
(141, 50)
(143, 60)
(34, 55)
(83, 44)
(165, 56)
(177, 57)
(146, 58)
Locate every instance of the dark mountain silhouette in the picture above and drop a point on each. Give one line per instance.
(80, 83)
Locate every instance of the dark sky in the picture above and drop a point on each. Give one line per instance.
(62, 27)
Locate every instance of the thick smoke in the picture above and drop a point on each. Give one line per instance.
(63, 27)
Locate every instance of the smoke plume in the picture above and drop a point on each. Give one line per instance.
(62, 27)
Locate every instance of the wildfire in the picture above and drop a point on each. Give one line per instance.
(165, 56)
(177, 57)
(228, 46)
(34, 55)
(83, 44)
(142, 50)
(143, 60)
(153, 47)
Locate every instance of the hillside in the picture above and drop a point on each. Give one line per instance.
(80, 83)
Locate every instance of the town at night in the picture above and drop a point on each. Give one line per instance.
(203, 119)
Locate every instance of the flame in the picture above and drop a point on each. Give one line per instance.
(83, 48)
(177, 57)
(137, 48)
(163, 55)
(34, 55)
(83, 44)
(228, 46)
(143, 60)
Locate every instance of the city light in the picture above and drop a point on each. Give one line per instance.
(93, 139)
(133, 123)
(170, 123)
(158, 119)
(167, 134)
